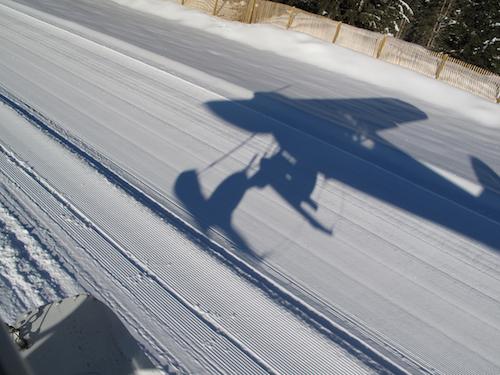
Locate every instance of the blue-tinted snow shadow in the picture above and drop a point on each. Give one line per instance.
(85, 333)
(339, 139)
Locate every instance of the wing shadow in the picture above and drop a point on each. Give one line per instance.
(339, 139)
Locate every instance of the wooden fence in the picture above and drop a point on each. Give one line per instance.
(436, 65)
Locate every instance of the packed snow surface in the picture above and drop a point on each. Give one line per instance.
(373, 207)
(198, 301)
(322, 55)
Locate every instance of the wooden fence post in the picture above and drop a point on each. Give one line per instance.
(291, 18)
(381, 46)
(337, 32)
(441, 64)
(214, 12)
(252, 9)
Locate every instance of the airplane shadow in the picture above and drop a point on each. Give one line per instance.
(339, 139)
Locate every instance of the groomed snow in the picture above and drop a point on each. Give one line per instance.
(326, 56)
(376, 207)
(179, 298)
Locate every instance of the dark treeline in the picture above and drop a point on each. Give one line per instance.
(465, 29)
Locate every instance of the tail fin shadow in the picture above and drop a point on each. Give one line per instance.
(487, 177)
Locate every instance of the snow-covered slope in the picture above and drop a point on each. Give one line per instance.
(378, 211)
(178, 297)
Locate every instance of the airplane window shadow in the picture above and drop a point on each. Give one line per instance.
(339, 139)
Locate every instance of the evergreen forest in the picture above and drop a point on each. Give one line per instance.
(466, 29)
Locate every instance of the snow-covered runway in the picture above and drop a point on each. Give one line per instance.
(378, 214)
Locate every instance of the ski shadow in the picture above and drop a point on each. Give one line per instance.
(338, 139)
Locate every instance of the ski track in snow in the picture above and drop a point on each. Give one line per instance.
(439, 288)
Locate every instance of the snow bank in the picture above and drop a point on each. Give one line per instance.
(327, 56)
(31, 277)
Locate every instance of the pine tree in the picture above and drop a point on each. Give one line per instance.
(384, 16)
(466, 29)
(394, 14)
(425, 22)
(473, 34)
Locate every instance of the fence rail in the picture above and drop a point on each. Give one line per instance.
(436, 65)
